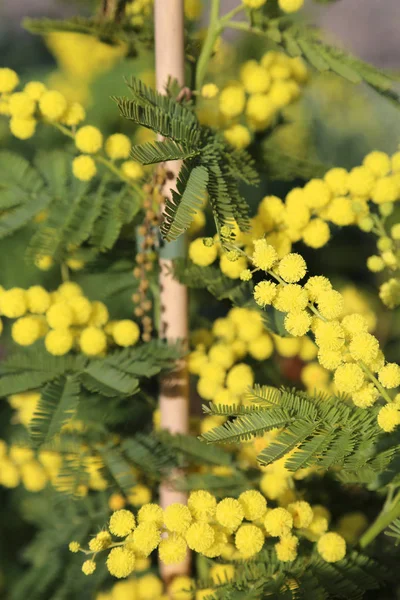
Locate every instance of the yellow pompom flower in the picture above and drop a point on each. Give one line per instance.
(20, 455)
(361, 181)
(332, 547)
(389, 293)
(389, 375)
(386, 189)
(238, 136)
(177, 517)
(118, 146)
(232, 268)
(375, 264)
(292, 268)
(222, 573)
(389, 417)
(365, 347)
(8, 80)
(74, 114)
(13, 303)
(122, 522)
(202, 505)
(144, 539)
(253, 504)
(92, 341)
(44, 263)
(209, 90)
(291, 297)
(23, 129)
(290, 6)
(99, 314)
(149, 587)
(317, 193)
(262, 347)
(84, 168)
(337, 180)
(340, 211)
(316, 234)
(181, 588)
(151, 513)
(378, 163)
(120, 562)
(38, 299)
(74, 547)
(33, 476)
(25, 331)
(354, 325)
(330, 359)
(172, 550)
(201, 254)
(232, 101)
(366, 396)
(81, 309)
(264, 255)
(89, 139)
(100, 542)
(329, 335)
(139, 494)
(286, 548)
(52, 105)
(302, 514)
(88, 567)
(59, 315)
(240, 378)
(9, 474)
(21, 106)
(330, 304)
(249, 540)
(229, 513)
(70, 289)
(59, 341)
(126, 333)
(254, 3)
(278, 522)
(200, 536)
(297, 322)
(255, 78)
(316, 285)
(35, 89)
(132, 170)
(349, 378)
(265, 292)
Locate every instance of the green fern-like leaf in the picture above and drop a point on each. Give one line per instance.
(245, 427)
(150, 153)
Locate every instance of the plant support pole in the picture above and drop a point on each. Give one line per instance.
(174, 396)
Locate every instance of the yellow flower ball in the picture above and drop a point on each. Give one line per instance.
(177, 517)
(302, 514)
(329, 335)
(139, 494)
(33, 476)
(201, 254)
(221, 574)
(291, 297)
(254, 3)
(240, 378)
(21, 106)
(340, 211)
(25, 331)
(59, 315)
(209, 90)
(389, 417)
(386, 189)
(126, 333)
(253, 504)
(389, 375)
(8, 80)
(337, 180)
(38, 299)
(297, 322)
(23, 129)
(70, 289)
(389, 293)
(200, 536)
(375, 264)
(232, 101)
(286, 548)
(290, 6)
(88, 567)
(172, 550)
(9, 474)
(204, 594)
(81, 309)
(229, 513)
(92, 341)
(120, 562)
(13, 303)
(74, 547)
(292, 268)
(132, 170)
(378, 162)
(255, 78)
(144, 539)
(151, 513)
(193, 11)
(35, 89)
(74, 114)
(265, 292)
(118, 146)
(262, 347)
(84, 168)
(330, 304)
(366, 396)
(332, 547)
(354, 325)
(59, 341)
(349, 378)
(317, 193)
(20, 455)
(278, 522)
(202, 505)
(361, 181)
(238, 136)
(99, 314)
(316, 234)
(249, 540)
(44, 263)
(365, 347)
(122, 522)
(89, 139)
(230, 268)
(316, 285)
(52, 105)
(100, 542)
(330, 359)
(207, 389)
(264, 255)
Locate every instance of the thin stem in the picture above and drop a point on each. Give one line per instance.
(64, 272)
(214, 29)
(243, 26)
(232, 13)
(383, 520)
(375, 381)
(63, 129)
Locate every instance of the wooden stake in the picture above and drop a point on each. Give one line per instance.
(174, 400)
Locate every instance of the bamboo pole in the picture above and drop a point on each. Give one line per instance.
(174, 400)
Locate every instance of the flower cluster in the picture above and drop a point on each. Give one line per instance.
(66, 319)
(254, 103)
(345, 345)
(287, 6)
(232, 528)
